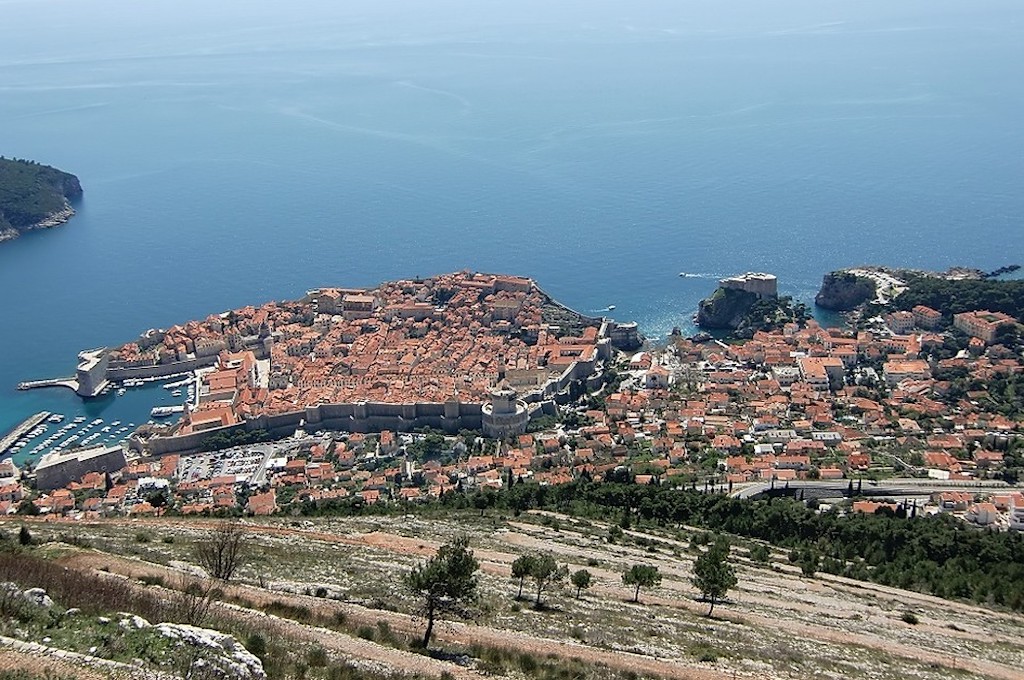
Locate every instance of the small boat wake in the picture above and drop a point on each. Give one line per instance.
(690, 275)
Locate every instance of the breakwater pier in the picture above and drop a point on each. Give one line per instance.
(70, 383)
(19, 431)
(90, 380)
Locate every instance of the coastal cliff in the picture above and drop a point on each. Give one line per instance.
(34, 196)
(843, 291)
(726, 308)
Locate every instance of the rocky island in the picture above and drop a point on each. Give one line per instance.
(34, 196)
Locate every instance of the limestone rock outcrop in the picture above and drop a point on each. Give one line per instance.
(843, 291)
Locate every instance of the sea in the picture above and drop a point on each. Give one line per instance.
(235, 152)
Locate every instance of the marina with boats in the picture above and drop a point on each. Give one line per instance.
(109, 419)
(35, 432)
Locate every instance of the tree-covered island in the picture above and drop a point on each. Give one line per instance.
(34, 196)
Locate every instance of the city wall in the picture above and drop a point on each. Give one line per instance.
(363, 417)
(116, 373)
(366, 417)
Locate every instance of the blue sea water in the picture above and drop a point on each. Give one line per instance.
(237, 152)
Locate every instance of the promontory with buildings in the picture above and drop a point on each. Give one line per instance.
(748, 303)
(453, 352)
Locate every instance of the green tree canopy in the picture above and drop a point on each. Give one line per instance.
(712, 574)
(581, 580)
(521, 568)
(546, 572)
(641, 576)
(446, 583)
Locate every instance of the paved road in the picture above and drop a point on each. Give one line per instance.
(889, 487)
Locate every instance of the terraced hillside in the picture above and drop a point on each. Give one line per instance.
(324, 598)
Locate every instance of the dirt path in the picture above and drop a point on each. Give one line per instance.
(382, 658)
(12, 660)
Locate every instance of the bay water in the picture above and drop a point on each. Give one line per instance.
(238, 152)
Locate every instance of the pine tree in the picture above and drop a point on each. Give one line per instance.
(712, 573)
(446, 582)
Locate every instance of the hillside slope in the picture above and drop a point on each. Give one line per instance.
(333, 587)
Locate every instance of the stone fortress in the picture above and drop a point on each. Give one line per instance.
(760, 284)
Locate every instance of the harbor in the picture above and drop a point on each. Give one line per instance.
(78, 432)
(108, 419)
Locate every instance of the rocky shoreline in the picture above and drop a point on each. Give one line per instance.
(53, 220)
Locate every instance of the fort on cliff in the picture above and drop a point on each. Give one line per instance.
(761, 285)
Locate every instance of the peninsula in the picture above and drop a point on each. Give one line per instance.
(456, 351)
(34, 196)
(869, 291)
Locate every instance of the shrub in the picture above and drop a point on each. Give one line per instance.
(317, 657)
(704, 652)
(194, 599)
(384, 634)
(552, 522)
(256, 644)
(527, 663)
(74, 540)
(911, 618)
(285, 610)
(224, 551)
(760, 553)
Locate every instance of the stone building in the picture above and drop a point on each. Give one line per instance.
(762, 285)
(504, 416)
(56, 470)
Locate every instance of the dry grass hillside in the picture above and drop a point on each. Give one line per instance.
(325, 599)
